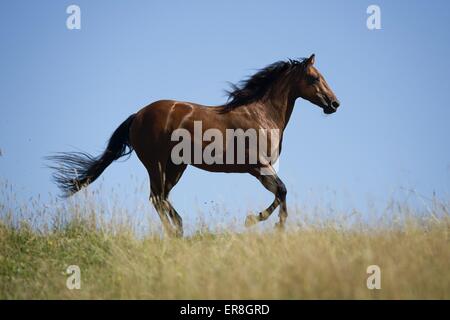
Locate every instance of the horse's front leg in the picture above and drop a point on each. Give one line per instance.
(282, 215)
(274, 184)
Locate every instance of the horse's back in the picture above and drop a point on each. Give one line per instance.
(154, 123)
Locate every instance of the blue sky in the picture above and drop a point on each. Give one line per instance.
(69, 89)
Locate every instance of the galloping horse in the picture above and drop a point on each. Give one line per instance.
(263, 101)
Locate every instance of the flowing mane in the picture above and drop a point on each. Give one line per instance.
(255, 87)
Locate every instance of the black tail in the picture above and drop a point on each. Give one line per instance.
(75, 170)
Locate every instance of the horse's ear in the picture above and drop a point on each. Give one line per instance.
(311, 60)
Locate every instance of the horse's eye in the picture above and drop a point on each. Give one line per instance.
(312, 80)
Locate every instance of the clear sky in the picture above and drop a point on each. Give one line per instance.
(63, 89)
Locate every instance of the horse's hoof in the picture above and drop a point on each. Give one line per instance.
(250, 220)
(279, 226)
(179, 234)
(174, 234)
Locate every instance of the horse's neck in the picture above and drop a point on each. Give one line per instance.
(289, 107)
(278, 110)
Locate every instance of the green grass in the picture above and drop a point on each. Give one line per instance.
(309, 261)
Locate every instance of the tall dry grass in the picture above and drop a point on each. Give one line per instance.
(311, 260)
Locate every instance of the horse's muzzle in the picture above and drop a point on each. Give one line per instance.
(332, 107)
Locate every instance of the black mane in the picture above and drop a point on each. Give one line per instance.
(255, 87)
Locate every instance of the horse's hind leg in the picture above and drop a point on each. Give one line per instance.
(173, 174)
(274, 184)
(175, 217)
(161, 209)
(157, 197)
(162, 179)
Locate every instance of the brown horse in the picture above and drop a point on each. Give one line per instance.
(264, 101)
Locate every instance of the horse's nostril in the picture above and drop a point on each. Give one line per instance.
(335, 104)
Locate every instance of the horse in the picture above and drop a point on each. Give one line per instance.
(265, 101)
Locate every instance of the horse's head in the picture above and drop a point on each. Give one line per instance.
(315, 89)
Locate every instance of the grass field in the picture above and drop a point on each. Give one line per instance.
(313, 260)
